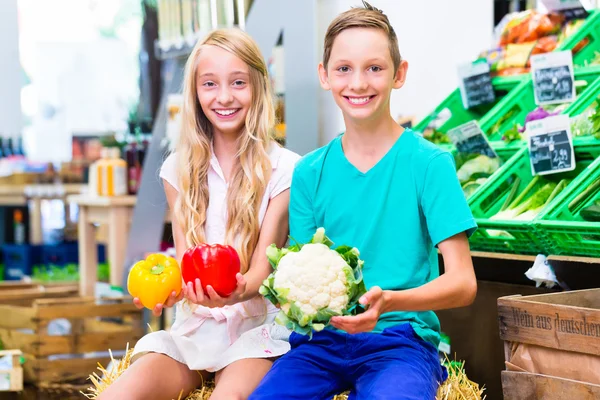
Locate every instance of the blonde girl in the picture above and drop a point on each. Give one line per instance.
(227, 182)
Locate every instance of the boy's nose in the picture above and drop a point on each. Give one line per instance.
(358, 82)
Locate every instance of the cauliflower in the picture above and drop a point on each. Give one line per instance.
(313, 282)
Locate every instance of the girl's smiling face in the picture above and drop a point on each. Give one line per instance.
(223, 89)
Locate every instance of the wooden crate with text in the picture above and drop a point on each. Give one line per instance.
(566, 322)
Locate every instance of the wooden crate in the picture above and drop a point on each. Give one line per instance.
(566, 321)
(11, 379)
(96, 326)
(20, 293)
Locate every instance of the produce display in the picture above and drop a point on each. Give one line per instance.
(152, 280)
(519, 36)
(528, 33)
(313, 282)
(214, 264)
(581, 124)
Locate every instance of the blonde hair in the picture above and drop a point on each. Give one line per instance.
(252, 169)
(367, 17)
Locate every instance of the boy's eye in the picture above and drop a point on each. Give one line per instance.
(343, 69)
(375, 68)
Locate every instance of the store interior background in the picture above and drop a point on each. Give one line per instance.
(78, 68)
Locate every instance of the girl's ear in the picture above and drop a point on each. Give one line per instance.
(323, 78)
(400, 76)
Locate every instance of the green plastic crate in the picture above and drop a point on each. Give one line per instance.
(590, 30)
(521, 237)
(561, 224)
(515, 107)
(459, 115)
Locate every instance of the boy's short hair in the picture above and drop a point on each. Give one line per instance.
(362, 17)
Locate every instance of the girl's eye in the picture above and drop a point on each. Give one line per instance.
(375, 68)
(343, 69)
(239, 83)
(208, 84)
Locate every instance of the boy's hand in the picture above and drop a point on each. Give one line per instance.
(195, 294)
(158, 309)
(365, 322)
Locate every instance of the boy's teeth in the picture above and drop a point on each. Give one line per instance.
(358, 100)
(225, 112)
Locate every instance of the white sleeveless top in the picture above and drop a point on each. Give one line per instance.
(209, 339)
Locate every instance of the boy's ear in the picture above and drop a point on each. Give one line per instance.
(400, 76)
(323, 78)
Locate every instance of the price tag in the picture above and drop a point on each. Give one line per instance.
(571, 9)
(553, 79)
(550, 145)
(469, 138)
(476, 84)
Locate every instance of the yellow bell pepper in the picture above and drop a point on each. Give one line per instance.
(152, 280)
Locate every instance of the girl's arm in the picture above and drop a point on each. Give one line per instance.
(180, 247)
(456, 287)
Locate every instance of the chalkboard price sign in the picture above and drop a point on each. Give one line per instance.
(476, 84)
(550, 145)
(553, 79)
(469, 138)
(571, 9)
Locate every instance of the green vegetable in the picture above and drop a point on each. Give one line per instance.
(595, 120)
(512, 134)
(313, 282)
(477, 166)
(591, 213)
(526, 210)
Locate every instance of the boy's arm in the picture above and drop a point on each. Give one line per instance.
(449, 221)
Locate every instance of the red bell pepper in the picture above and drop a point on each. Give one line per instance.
(215, 265)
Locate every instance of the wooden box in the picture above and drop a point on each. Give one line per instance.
(20, 293)
(567, 322)
(11, 375)
(96, 325)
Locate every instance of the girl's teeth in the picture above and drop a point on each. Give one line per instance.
(361, 100)
(225, 112)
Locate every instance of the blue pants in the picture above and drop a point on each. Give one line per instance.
(395, 364)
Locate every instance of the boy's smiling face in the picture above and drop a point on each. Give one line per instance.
(360, 74)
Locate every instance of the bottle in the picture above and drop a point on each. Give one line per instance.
(133, 168)
(108, 175)
(7, 148)
(19, 227)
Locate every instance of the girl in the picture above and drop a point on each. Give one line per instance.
(227, 182)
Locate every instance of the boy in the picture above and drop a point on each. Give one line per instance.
(394, 196)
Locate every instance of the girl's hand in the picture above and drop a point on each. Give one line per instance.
(194, 293)
(365, 322)
(158, 309)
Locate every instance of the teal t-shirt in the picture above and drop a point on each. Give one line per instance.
(395, 214)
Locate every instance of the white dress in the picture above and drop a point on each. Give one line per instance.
(209, 339)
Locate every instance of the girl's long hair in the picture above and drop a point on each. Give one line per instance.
(252, 169)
